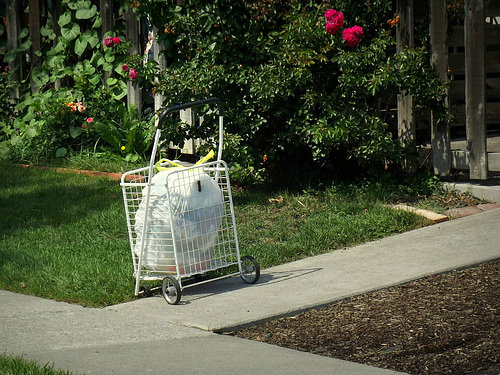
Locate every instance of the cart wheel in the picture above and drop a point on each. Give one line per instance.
(171, 290)
(145, 290)
(250, 269)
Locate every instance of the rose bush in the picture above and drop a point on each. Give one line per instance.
(304, 85)
(296, 89)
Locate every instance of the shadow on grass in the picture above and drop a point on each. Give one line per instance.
(31, 199)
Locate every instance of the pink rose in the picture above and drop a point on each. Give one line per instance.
(124, 67)
(108, 41)
(334, 21)
(90, 119)
(352, 35)
(116, 40)
(133, 74)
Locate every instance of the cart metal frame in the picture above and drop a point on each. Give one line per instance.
(194, 234)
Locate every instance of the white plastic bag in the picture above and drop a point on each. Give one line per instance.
(185, 205)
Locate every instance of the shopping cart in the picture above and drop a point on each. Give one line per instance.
(181, 220)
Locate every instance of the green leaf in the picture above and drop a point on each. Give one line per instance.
(109, 133)
(16, 140)
(111, 81)
(109, 57)
(25, 46)
(90, 37)
(24, 32)
(96, 58)
(88, 68)
(80, 46)
(45, 31)
(75, 131)
(53, 58)
(97, 23)
(70, 32)
(131, 157)
(61, 152)
(10, 56)
(107, 66)
(119, 90)
(95, 79)
(30, 132)
(85, 14)
(64, 19)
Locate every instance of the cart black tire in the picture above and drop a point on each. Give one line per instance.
(250, 269)
(146, 290)
(171, 290)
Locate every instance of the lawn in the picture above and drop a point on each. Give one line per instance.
(63, 236)
(20, 366)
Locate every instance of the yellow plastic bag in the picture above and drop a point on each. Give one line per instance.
(173, 164)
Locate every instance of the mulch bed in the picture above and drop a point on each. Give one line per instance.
(442, 324)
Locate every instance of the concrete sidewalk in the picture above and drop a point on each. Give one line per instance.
(150, 336)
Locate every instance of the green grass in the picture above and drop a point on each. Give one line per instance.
(63, 236)
(19, 366)
(295, 226)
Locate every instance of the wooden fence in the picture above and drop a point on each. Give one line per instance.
(469, 57)
(474, 65)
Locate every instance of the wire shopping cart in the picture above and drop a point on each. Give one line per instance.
(181, 220)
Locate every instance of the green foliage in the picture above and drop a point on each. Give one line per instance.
(288, 85)
(295, 96)
(77, 67)
(20, 366)
(7, 111)
(131, 136)
(79, 58)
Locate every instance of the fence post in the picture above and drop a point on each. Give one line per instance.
(106, 10)
(13, 30)
(475, 89)
(134, 94)
(159, 98)
(56, 13)
(440, 133)
(406, 116)
(35, 37)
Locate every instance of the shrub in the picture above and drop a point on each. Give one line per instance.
(297, 88)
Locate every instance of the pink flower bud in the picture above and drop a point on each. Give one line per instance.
(124, 67)
(108, 41)
(133, 74)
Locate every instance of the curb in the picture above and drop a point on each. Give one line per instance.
(430, 215)
(111, 175)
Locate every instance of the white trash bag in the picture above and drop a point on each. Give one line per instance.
(192, 216)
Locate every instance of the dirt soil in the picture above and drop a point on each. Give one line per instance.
(442, 324)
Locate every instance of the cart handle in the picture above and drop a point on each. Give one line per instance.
(180, 107)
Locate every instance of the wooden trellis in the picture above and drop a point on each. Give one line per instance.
(474, 97)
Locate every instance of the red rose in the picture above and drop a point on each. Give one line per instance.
(353, 35)
(334, 21)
